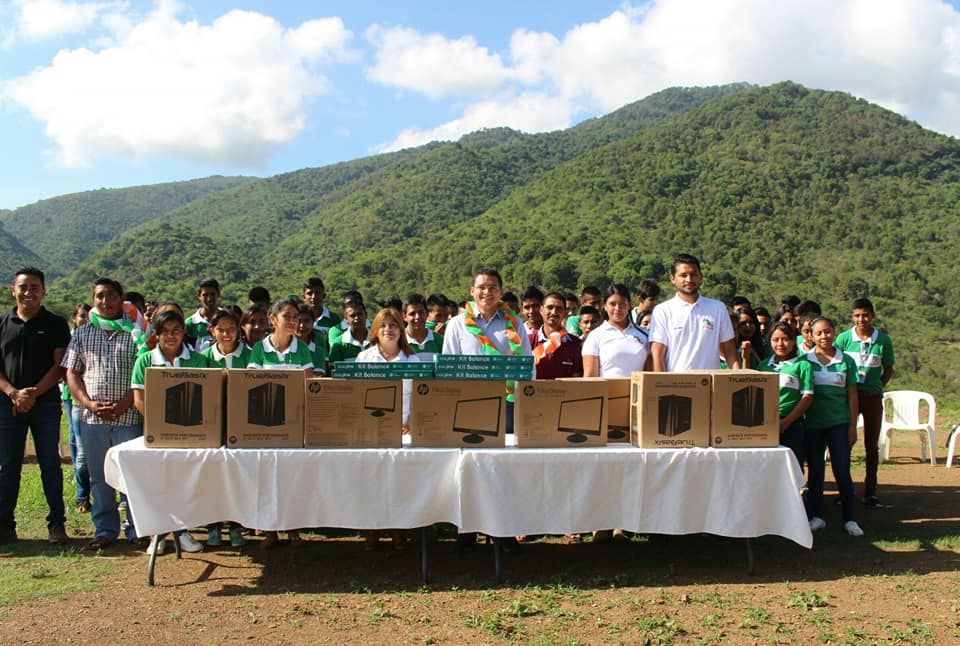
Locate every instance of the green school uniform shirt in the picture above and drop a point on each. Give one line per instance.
(346, 348)
(796, 380)
(318, 352)
(830, 382)
(239, 358)
(428, 350)
(198, 328)
(265, 356)
(871, 357)
(326, 321)
(186, 359)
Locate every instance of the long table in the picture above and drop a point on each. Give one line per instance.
(741, 493)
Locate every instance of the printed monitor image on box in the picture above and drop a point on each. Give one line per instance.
(477, 418)
(747, 407)
(183, 404)
(581, 417)
(266, 405)
(380, 401)
(621, 404)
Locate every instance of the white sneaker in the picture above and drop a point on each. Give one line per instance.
(853, 528)
(188, 543)
(161, 546)
(817, 524)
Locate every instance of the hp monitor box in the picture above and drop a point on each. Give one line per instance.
(183, 408)
(618, 405)
(353, 413)
(670, 409)
(561, 413)
(265, 409)
(745, 409)
(450, 413)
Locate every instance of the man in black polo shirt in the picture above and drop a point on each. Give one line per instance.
(32, 343)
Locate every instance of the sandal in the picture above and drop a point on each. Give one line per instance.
(269, 540)
(100, 542)
(83, 507)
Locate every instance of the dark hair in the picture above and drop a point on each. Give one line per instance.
(643, 314)
(111, 283)
(787, 329)
(30, 271)
(354, 304)
(616, 289)
(303, 308)
(415, 300)
(165, 317)
(755, 340)
(314, 283)
(391, 302)
(589, 309)
(647, 288)
(511, 299)
(762, 311)
(790, 300)
(589, 290)
(208, 282)
(259, 295)
(280, 303)
(556, 295)
(863, 304)
(807, 306)
(820, 319)
(740, 300)
(684, 259)
(81, 307)
(351, 295)
(137, 300)
(532, 293)
(806, 317)
(435, 300)
(226, 313)
(488, 271)
(570, 296)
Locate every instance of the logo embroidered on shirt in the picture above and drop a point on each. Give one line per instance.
(707, 323)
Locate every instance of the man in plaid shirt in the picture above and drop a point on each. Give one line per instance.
(99, 363)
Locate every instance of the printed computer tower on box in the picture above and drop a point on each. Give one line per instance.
(670, 409)
(265, 409)
(745, 409)
(183, 407)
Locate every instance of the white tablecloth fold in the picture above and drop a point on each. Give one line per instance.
(502, 492)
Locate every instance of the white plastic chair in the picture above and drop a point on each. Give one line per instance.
(952, 444)
(901, 412)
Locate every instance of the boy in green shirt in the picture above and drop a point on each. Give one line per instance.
(872, 351)
(424, 342)
(208, 293)
(314, 294)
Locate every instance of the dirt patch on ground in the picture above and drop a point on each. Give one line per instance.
(899, 584)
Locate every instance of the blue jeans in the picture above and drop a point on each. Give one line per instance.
(43, 420)
(793, 439)
(835, 439)
(80, 474)
(97, 440)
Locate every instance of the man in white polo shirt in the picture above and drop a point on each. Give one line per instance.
(690, 331)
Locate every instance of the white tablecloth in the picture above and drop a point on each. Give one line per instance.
(502, 492)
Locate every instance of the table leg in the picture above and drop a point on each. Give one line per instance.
(425, 555)
(497, 560)
(749, 557)
(151, 564)
(176, 544)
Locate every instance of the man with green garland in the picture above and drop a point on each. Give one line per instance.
(872, 350)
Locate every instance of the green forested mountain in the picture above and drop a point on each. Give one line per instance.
(63, 231)
(778, 189)
(14, 255)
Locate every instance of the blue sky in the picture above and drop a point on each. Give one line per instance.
(112, 93)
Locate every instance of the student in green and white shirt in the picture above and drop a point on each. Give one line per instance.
(197, 326)
(424, 342)
(227, 350)
(872, 351)
(281, 350)
(316, 341)
(314, 294)
(171, 352)
(796, 387)
(831, 423)
(355, 338)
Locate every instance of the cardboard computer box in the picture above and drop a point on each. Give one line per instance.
(745, 409)
(451, 413)
(265, 409)
(561, 413)
(353, 413)
(670, 409)
(183, 408)
(618, 406)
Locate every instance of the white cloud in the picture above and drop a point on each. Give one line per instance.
(224, 93)
(41, 19)
(433, 64)
(903, 54)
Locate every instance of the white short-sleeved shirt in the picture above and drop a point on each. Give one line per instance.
(619, 352)
(692, 332)
(372, 355)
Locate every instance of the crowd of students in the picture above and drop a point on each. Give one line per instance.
(826, 379)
